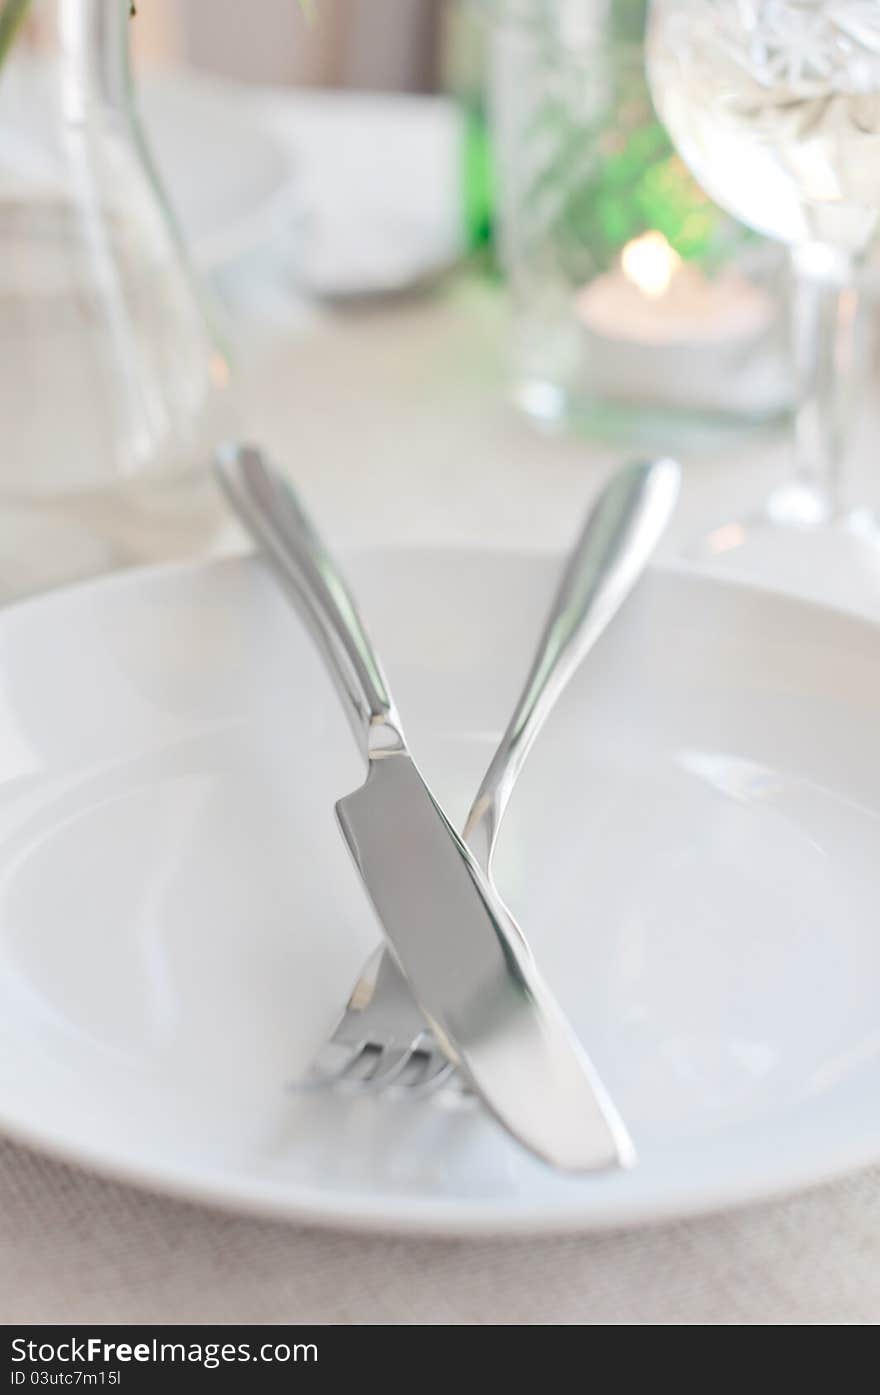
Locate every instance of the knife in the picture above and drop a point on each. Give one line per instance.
(456, 942)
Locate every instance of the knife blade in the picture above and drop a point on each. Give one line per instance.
(472, 975)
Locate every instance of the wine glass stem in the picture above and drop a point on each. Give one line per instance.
(824, 331)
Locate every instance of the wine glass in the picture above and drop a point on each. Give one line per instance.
(775, 107)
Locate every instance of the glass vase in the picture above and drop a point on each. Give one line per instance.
(640, 310)
(113, 387)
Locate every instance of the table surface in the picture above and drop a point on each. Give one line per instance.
(396, 424)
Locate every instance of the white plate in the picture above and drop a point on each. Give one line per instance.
(231, 181)
(693, 850)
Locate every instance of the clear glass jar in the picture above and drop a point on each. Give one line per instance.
(113, 388)
(640, 309)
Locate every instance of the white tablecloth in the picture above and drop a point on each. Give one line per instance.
(396, 425)
(73, 1249)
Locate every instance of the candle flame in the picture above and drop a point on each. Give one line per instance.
(650, 263)
(218, 370)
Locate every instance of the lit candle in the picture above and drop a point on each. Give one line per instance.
(662, 328)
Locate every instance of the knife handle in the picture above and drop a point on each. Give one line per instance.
(619, 536)
(268, 506)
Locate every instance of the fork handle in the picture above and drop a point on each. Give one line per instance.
(270, 510)
(619, 536)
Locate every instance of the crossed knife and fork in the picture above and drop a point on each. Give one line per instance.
(455, 991)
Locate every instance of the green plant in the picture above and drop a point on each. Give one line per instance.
(601, 167)
(11, 18)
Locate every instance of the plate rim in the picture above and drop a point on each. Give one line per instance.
(438, 1219)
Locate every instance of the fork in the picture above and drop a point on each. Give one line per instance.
(382, 1039)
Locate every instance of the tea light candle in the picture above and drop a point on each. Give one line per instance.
(661, 327)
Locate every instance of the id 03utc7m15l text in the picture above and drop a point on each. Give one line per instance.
(64, 1377)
